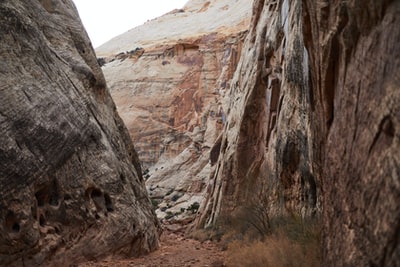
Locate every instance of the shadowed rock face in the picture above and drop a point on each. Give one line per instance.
(313, 122)
(355, 62)
(71, 184)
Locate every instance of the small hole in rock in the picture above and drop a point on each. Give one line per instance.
(15, 227)
(122, 178)
(95, 193)
(97, 216)
(12, 222)
(42, 221)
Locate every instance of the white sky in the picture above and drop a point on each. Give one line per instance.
(105, 19)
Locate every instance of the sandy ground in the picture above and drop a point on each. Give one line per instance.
(175, 251)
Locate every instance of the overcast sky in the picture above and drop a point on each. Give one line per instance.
(105, 19)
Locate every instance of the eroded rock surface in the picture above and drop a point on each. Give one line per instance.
(170, 85)
(71, 184)
(313, 122)
(267, 146)
(355, 64)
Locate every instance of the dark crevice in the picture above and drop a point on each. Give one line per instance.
(95, 193)
(48, 194)
(330, 83)
(42, 220)
(122, 178)
(108, 202)
(384, 136)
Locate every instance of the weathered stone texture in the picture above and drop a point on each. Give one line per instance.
(313, 122)
(355, 77)
(71, 185)
(267, 144)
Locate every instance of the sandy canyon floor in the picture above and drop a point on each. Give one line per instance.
(175, 251)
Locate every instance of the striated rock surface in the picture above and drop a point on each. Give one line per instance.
(71, 184)
(267, 146)
(170, 80)
(355, 62)
(313, 122)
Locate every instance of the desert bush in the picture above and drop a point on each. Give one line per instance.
(193, 207)
(255, 238)
(256, 215)
(175, 197)
(169, 215)
(101, 61)
(155, 203)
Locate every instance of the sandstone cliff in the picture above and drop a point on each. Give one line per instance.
(354, 49)
(170, 80)
(267, 146)
(71, 184)
(313, 125)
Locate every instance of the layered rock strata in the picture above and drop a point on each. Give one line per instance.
(71, 184)
(170, 85)
(313, 122)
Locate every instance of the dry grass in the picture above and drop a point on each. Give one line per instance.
(276, 250)
(202, 235)
(287, 241)
(292, 243)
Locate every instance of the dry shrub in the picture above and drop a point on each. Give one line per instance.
(212, 234)
(291, 242)
(276, 250)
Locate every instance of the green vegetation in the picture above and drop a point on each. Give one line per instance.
(194, 207)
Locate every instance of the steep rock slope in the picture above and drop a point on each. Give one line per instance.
(268, 147)
(71, 184)
(170, 85)
(313, 122)
(355, 62)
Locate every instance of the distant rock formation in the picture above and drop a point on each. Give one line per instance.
(170, 79)
(313, 123)
(71, 187)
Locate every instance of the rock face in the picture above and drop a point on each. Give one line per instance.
(355, 64)
(71, 184)
(267, 146)
(170, 80)
(313, 122)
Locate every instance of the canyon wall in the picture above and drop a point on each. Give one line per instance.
(71, 183)
(355, 61)
(269, 146)
(169, 79)
(313, 122)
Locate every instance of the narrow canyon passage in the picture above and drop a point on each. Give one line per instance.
(175, 251)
